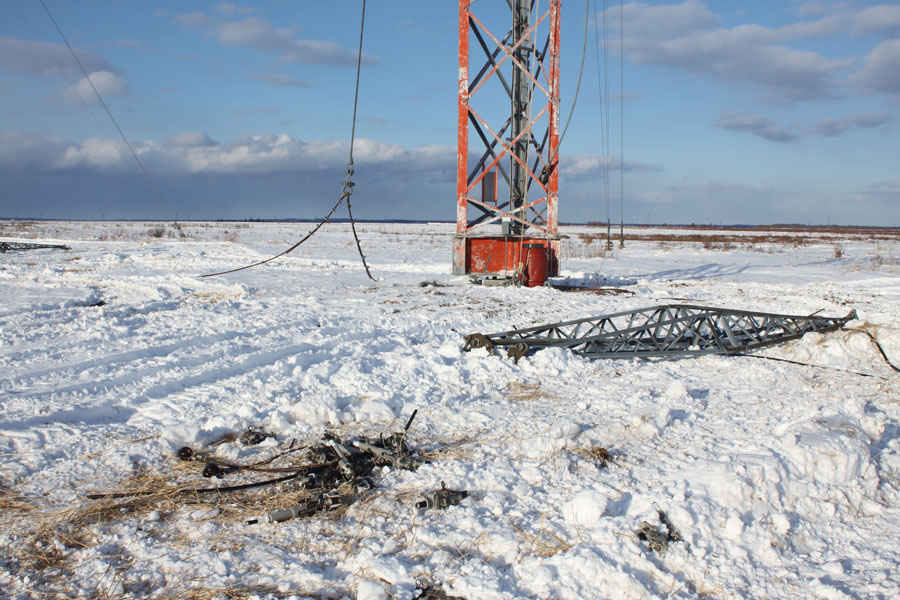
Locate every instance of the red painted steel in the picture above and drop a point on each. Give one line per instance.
(553, 182)
(536, 266)
(476, 247)
(503, 255)
(462, 155)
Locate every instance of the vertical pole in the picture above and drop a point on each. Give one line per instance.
(553, 72)
(462, 141)
(520, 105)
(622, 123)
(462, 152)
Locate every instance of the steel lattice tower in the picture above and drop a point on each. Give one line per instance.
(518, 156)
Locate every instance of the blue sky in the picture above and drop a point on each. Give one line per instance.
(734, 112)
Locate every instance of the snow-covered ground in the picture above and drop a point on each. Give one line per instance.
(783, 480)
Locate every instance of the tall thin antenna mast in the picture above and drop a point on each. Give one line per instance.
(606, 148)
(622, 123)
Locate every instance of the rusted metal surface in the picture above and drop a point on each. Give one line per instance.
(499, 255)
(522, 152)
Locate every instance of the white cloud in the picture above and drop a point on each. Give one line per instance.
(883, 20)
(25, 151)
(581, 165)
(766, 128)
(192, 19)
(881, 68)
(252, 31)
(255, 32)
(758, 125)
(193, 152)
(190, 139)
(836, 127)
(27, 56)
(106, 84)
(881, 192)
(281, 80)
(668, 20)
(101, 154)
(683, 36)
(229, 9)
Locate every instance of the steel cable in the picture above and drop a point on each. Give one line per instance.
(114, 122)
(347, 184)
(209, 490)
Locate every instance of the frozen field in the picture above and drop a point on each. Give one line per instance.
(783, 480)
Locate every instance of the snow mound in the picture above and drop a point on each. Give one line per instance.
(830, 450)
(586, 509)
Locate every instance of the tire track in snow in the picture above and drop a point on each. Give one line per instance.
(131, 356)
(129, 388)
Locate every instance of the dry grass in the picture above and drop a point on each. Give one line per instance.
(858, 231)
(52, 533)
(526, 392)
(12, 503)
(723, 240)
(755, 238)
(457, 447)
(586, 248)
(544, 543)
(597, 453)
(722, 246)
(770, 239)
(216, 297)
(881, 260)
(187, 590)
(47, 539)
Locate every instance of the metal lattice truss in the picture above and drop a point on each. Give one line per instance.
(524, 63)
(18, 246)
(668, 330)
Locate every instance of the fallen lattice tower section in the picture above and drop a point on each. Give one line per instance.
(20, 246)
(661, 331)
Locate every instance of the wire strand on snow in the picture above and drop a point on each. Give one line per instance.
(291, 249)
(880, 349)
(803, 364)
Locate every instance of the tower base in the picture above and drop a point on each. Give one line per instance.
(499, 255)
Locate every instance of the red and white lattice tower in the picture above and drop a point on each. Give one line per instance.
(507, 160)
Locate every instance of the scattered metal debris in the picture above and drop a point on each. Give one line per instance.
(317, 503)
(600, 291)
(19, 246)
(492, 281)
(332, 472)
(666, 331)
(251, 437)
(254, 436)
(442, 498)
(659, 538)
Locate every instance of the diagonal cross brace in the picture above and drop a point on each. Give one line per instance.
(662, 331)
